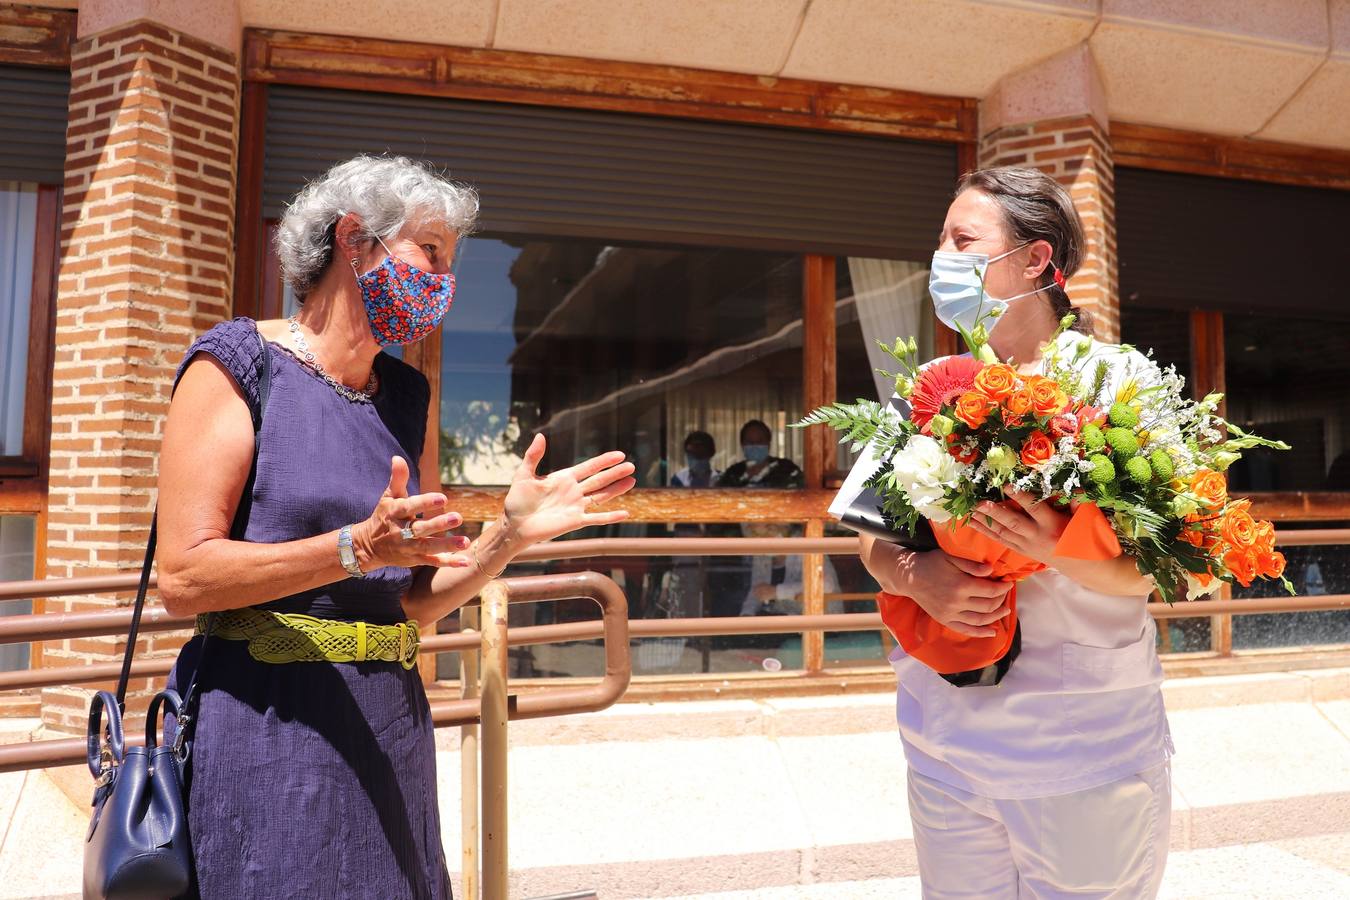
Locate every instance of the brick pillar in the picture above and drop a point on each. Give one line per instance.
(1053, 117)
(146, 264)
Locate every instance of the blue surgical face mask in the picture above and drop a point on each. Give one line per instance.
(698, 464)
(755, 453)
(959, 298)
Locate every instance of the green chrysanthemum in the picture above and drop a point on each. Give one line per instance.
(1103, 471)
(1122, 415)
(1138, 470)
(1122, 442)
(1093, 439)
(1163, 469)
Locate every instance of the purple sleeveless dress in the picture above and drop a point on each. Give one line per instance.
(316, 779)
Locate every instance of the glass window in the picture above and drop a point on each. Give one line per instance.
(17, 545)
(18, 228)
(665, 587)
(1284, 379)
(1315, 570)
(856, 593)
(876, 300)
(602, 346)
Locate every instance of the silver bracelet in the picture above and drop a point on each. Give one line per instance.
(346, 554)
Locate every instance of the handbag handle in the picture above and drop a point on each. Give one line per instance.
(166, 701)
(104, 702)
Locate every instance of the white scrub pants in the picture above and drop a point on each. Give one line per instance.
(1109, 841)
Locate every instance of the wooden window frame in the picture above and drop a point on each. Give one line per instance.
(23, 479)
(33, 36)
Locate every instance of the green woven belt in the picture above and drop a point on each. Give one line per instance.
(275, 637)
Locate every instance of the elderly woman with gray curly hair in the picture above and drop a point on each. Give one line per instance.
(294, 523)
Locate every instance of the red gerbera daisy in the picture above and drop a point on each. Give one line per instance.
(939, 385)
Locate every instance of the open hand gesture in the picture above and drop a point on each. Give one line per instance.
(543, 507)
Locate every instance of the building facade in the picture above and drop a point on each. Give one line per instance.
(695, 215)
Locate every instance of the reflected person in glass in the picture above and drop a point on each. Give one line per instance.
(698, 471)
(313, 757)
(758, 469)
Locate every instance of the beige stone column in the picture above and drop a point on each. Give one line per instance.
(146, 264)
(1053, 117)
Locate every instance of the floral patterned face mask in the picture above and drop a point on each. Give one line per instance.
(404, 304)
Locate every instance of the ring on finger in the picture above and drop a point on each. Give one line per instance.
(407, 532)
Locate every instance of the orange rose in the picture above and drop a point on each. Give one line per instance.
(1244, 565)
(996, 382)
(1238, 528)
(973, 408)
(1018, 402)
(1210, 487)
(1199, 531)
(1271, 563)
(1193, 534)
(1265, 536)
(1046, 397)
(1037, 449)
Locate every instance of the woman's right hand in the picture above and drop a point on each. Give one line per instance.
(379, 540)
(956, 592)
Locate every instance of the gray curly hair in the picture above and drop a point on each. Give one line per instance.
(387, 192)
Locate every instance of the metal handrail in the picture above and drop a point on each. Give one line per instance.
(588, 548)
(639, 628)
(613, 627)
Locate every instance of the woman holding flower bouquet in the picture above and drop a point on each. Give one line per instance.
(1055, 780)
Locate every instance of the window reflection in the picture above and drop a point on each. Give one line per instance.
(18, 227)
(1284, 378)
(17, 555)
(1316, 570)
(603, 346)
(876, 300)
(683, 587)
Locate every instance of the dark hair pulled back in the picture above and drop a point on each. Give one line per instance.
(1036, 207)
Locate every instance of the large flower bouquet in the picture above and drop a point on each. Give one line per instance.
(1140, 467)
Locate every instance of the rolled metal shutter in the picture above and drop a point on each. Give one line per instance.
(34, 106)
(1197, 242)
(617, 176)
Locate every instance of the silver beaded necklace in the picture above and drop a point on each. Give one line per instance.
(361, 396)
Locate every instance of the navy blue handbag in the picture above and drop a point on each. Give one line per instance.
(138, 847)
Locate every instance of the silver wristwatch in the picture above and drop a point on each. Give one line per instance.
(346, 555)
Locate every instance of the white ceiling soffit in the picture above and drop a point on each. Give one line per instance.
(1319, 113)
(960, 47)
(1223, 68)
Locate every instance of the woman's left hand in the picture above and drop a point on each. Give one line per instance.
(1021, 524)
(543, 507)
